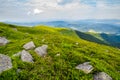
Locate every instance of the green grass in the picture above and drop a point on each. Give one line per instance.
(109, 39)
(60, 41)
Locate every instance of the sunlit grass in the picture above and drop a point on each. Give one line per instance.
(65, 42)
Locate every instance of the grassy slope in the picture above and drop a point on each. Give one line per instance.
(60, 41)
(110, 39)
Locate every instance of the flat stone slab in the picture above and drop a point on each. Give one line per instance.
(102, 76)
(29, 45)
(3, 41)
(85, 67)
(26, 56)
(5, 63)
(41, 51)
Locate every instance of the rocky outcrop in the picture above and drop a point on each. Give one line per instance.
(102, 76)
(5, 63)
(29, 45)
(26, 56)
(85, 67)
(41, 51)
(3, 41)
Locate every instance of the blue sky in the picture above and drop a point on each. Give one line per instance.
(46, 10)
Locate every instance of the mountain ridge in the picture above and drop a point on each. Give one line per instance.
(102, 26)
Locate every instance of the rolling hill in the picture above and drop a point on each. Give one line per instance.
(72, 48)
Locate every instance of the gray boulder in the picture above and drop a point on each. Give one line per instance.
(41, 51)
(3, 41)
(29, 45)
(102, 76)
(26, 56)
(5, 63)
(85, 67)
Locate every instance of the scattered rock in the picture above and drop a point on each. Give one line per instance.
(17, 54)
(57, 55)
(3, 41)
(85, 67)
(5, 63)
(15, 29)
(106, 50)
(119, 71)
(102, 76)
(26, 33)
(43, 40)
(18, 70)
(42, 51)
(26, 56)
(29, 45)
(92, 55)
(76, 43)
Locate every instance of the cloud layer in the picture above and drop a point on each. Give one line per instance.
(42, 10)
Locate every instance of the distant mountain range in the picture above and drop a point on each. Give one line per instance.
(108, 34)
(98, 26)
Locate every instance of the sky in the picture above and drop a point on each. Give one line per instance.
(46, 10)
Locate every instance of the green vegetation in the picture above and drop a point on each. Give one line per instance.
(72, 49)
(108, 39)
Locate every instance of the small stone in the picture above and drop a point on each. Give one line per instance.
(76, 43)
(106, 50)
(91, 54)
(43, 40)
(85, 67)
(3, 41)
(17, 54)
(26, 56)
(41, 51)
(15, 29)
(57, 55)
(29, 45)
(18, 70)
(26, 33)
(102, 76)
(5, 63)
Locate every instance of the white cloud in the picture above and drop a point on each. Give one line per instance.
(74, 28)
(59, 1)
(37, 11)
(72, 10)
(28, 13)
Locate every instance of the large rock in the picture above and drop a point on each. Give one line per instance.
(26, 56)
(29, 45)
(3, 41)
(85, 67)
(5, 63)
(42, 51)
(102, 76)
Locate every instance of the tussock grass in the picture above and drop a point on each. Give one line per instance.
(72, 49)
